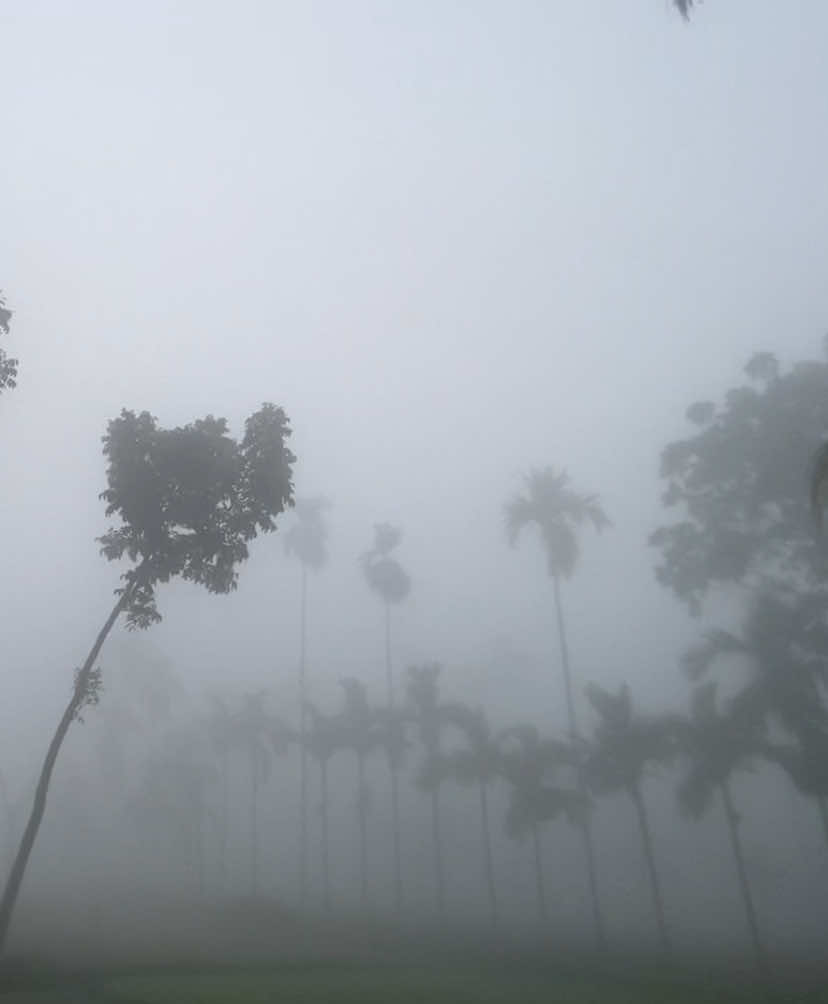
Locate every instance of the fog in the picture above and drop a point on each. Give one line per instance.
(455, 243)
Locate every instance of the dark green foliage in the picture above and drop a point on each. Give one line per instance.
(8, 365)
(557, 512)
(191, 499)
(740, 483)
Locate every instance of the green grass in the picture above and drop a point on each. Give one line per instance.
(334, 984)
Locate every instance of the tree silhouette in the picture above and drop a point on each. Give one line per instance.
(477, 763)
(389, 580)
(558, 512)
(783, 641)
(359, 734)
(529, 763)
(307, 541)
(324, 735)
(190, 500)
(715, 744)
(223, 735)
(8, 366)
(623, 746)
(430, 717)
(260, 735)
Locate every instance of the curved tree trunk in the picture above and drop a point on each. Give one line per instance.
(437, 840)
(326, 872)
(744, 885)
(303, 754)
(539, 882)
(655, 885)
(76, 702)
(572, 721)
(487, 852)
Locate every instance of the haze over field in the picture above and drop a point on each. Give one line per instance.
(456, 243)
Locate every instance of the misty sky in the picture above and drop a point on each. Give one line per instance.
(452, 240)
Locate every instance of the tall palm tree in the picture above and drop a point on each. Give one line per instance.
(389, 580)
(307, 540)
(715, 744)
(477, 763)
(359, 734)
(529, 763)
(430, 718)
(223, 735)
(623, 746)
(784, 641)
(323, 737)
(260, 735)
(558, 512)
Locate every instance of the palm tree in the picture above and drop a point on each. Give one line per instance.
(359, 734)
(528, 763)
(389, 580)
(260, 735)
(223, 735)
(715, 744)
(306, 540)
(783, 642)
(623, 745)
(478, 763)
(323, 737)
(430, 717)
(557, 512)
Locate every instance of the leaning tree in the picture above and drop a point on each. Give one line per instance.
(189, 500)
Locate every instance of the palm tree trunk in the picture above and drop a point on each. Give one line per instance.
(326, 873)
(254, 825)
(542, 911)
(225, 820)
(395, 796)
(487, 851)
(303, 755)
(395, 810)
(655, 885)
(572, 719)
(747, 898)
(439, 878)
(76, 702)
(363, 834)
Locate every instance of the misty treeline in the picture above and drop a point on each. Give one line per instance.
(190, 500)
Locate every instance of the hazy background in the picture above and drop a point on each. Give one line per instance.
(453, 241)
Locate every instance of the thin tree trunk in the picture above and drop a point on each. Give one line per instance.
(363, 834)
(487, 851)
(225, 820)
(395, 796)
(79, 695)
(542, 911)
(303, 754)
(572, 719)
(395, 809)
(649, 855)
(747, 898)
(254, 826)
(438, 852)
(326, 873)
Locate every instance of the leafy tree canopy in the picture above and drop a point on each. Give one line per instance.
(739, 483)
(384, 574)
(190, 499)
(8, 366)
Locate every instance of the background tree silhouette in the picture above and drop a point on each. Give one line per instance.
(324, 736)
(190, 500)
(307, 540)
(715, 744)
(389, 580)
(557, 512)
(623, 745)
